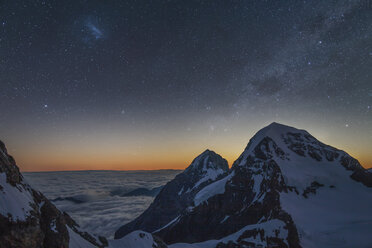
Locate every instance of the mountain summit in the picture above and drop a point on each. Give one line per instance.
(179, 193)
(289, 147)
(208, 160)
(287, 189)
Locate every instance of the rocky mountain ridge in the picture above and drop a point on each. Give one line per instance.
(178, 194)
(28, 219)
(286, 189)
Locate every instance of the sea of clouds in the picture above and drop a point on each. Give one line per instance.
(94, 198)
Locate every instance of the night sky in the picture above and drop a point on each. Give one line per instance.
(151, 84)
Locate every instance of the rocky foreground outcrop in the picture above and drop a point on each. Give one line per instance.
(286, 189)
(29, 220)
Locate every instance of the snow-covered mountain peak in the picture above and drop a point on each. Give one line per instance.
(274, 131)
(278, 141)
(276, 127)
(179, 194)
(301, 158)
(207, 160)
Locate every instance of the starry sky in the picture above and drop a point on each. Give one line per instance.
(151, 84)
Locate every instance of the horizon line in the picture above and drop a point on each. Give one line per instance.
(100, 170)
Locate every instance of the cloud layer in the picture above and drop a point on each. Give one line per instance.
(96, 209)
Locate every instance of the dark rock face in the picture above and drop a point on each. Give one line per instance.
(359, 173)
(44, 226)
(251, 196)
(178, 194)
(9, 167)
(312, 188)
(160, 243)
(303, 144)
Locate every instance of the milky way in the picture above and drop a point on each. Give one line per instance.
(127, 78)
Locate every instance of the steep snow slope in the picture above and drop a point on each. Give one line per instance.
(212, 189)
(304, 159)
(332, 209)
(15, 202)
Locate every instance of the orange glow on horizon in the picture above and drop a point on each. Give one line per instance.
(156, 150)
(144, 164)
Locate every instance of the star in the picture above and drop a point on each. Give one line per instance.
(105, 60)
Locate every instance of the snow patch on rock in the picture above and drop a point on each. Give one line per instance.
(273, 228)
(337, 216)
(170, 223)
(14, 201)
(136, 239)
(212, 189)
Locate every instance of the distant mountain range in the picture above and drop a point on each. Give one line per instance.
(286, 189)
